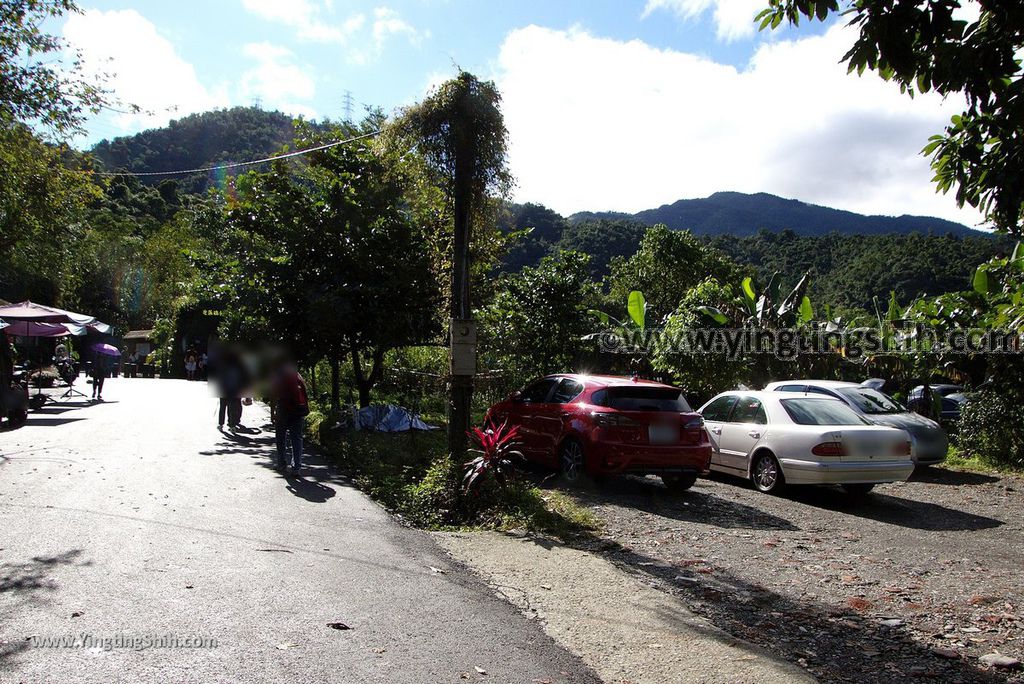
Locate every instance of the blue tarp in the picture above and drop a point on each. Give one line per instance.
(390, 418)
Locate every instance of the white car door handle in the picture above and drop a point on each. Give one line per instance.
(717, 430)
(755, 434)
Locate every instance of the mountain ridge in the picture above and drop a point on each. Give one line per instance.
(743, 214)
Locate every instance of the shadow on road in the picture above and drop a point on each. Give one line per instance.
(37, 421)
(310, 490)
(21, 583)
(893, 510)
(261, 446)
(836, 645)
(695, 505)
(943, 476)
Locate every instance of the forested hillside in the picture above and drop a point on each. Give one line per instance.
(848, 269)
(735, 213)
(852, 258)
(220, 136)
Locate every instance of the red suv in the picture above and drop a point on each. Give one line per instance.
(599, 425)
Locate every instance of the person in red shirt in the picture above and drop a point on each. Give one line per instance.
(292, 407)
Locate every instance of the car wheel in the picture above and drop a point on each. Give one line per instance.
(858, 489)
(679, 483)
(571, 461)
(766, 473)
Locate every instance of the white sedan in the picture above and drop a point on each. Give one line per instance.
(775, 438)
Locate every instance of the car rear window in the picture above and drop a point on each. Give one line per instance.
(821, 412)
(870, 401)
(645, 399)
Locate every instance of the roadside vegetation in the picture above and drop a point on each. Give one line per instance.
(413, 476)
(345, 255)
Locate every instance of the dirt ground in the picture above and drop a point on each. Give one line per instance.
(918, 579)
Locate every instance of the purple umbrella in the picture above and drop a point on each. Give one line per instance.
(106, 349)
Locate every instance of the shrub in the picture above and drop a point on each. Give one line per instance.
(991, 428)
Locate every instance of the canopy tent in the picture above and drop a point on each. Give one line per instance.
(39, 313)
(36, 329)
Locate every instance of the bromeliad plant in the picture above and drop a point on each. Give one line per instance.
(497, 457)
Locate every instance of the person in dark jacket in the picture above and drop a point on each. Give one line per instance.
(100, 371)
(230, 374)
(292, 407)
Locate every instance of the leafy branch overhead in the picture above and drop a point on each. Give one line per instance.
(928, 46)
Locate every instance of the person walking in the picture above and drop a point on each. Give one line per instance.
(190, 365)
(231, 376)
(100, 369)
(291, 409)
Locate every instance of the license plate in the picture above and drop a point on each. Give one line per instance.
(662, 434)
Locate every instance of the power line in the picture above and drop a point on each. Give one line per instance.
(235, 165)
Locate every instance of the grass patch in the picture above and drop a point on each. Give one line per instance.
(957, 460)
(412, 475)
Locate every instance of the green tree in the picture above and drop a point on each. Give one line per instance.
(39, 83)
(668, 264)
(42, 199)
(329, 261)
(923, 47)
(538, 318)
(460, 133)
(603, 240)
(702, 373)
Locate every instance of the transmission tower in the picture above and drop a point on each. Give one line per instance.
(346, 101)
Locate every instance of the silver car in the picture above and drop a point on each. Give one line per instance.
(930, 440)
(775, 438)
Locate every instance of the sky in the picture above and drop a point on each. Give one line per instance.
(611, 105)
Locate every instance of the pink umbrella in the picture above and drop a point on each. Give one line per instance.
(39, 313)
(35, 329)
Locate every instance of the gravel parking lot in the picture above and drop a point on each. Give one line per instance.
(918, 579)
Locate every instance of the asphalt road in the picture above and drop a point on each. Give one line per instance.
(134, 521)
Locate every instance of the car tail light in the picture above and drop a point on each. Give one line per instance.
(612, 420)
(693, 423)
(829, 449)
(902, 449)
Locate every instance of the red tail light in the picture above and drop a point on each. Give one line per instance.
(612, 420)
(829, 449)
(902, 449)
(693, 423)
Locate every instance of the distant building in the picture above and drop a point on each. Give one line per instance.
(139, 342)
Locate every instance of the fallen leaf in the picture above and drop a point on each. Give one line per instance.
(437, 571)
(77, 613)
(338, 625)
(286, 646)
(858, 603)
(479, 670)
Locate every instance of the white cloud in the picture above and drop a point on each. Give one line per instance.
(145, 68)
(600, 124)
(364, 37)
(306, 18)
(277, 80)
(733, 18)
(387, 22)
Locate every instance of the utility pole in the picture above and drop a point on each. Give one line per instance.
(257, 102)
(462, 328)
